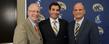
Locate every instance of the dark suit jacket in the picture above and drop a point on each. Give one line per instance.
(49, 35)
(88, 33)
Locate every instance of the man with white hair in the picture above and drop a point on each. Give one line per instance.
(28, 32)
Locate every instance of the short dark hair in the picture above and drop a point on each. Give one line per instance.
(54, 3)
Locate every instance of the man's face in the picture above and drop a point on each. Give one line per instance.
(33, 11)
(54, 11)
(78, 11)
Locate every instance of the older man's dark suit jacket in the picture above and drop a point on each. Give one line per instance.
(48, 34)
(88, 33)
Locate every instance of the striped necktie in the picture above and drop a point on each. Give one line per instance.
(55, 27)
(36, 28)
(76, 30)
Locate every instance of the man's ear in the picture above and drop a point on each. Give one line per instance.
(84, 11)
(49, 10)
(73, 12)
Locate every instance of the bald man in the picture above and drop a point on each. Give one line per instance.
(28, 32)
(81, 30)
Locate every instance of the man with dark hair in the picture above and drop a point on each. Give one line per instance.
(81, 30)
(56, 4)
(53, 29)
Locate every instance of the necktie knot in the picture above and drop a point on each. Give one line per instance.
(36, 23)
(77, 24)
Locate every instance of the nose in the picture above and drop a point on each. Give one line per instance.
(36, 13)
(56, 11)
(77, 11)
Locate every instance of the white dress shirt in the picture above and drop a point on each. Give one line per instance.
(79, 22)
(57, 23)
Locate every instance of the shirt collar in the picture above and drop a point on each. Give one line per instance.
(80, 22)
(51, 19)
(33, 24)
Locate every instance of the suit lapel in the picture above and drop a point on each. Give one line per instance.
(50, 28)
(31, 28)
(71, 29)
(29, 24)
(82, 27)
(60, 27)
